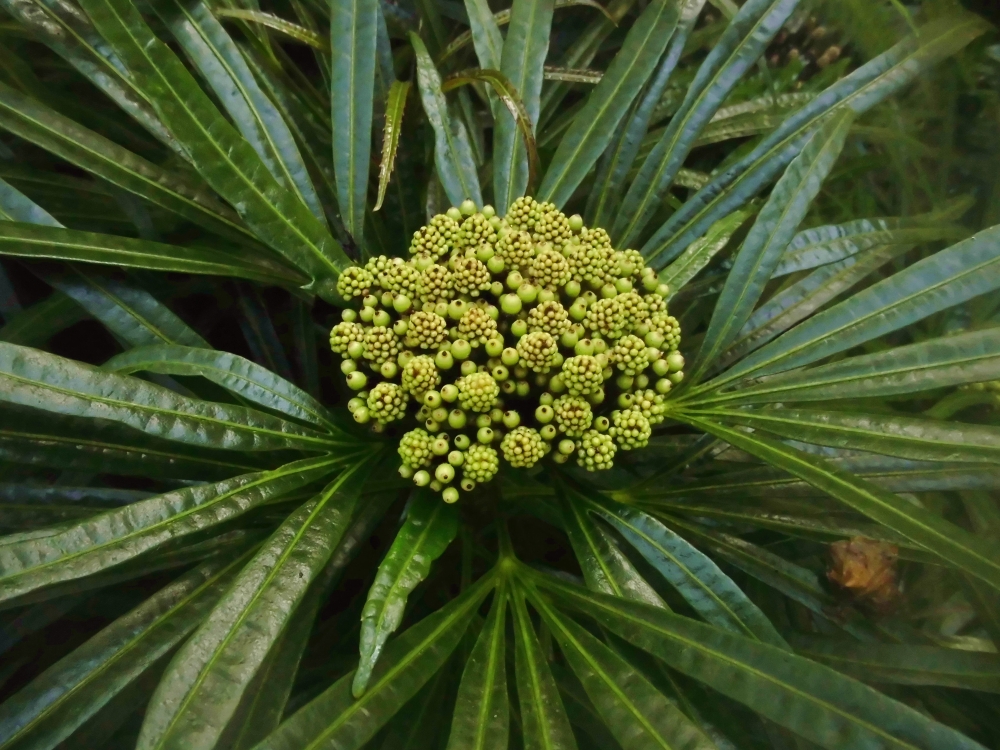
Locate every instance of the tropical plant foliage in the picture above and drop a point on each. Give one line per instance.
(202, 549)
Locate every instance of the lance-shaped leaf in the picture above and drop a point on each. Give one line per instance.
(950, 542)
(36, 324)
(889, 434)
(639, 715)
(972, 357)
(521, 61)
(32, 438)
(594, 127)
(813, 701)
(223, 157)
(804, 297)
(206, 680)
(125, 309)
(605, 568)
(740, 46)
(335, 718)
(220, 63)
(429, 528)
(905, 664)
(772, 231)
(116, 536)
(65, 695)
(828, 244)
(505, 92)
(46, 128)
(709, 591)
(231, 371)
(452, 151)
(859, 91)
(271, 21)
(544, 724)
(481, 718)
(352, 93)
(700, 252)
(935, 283)
(35, 241)
(617, 160)
(394, 109)
(44, 381)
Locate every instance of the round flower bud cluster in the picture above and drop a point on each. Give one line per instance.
(525, 338)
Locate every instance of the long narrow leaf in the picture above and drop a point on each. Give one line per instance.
(429, 528)
(452, 151)
(336, 718)
(352, 93)
(769, 236)
(398, 92)
(119, 535)
(948, 541)
(207, 678)
(743, 42)
(226, 161)
(860, 91)
(521, 61)
(593, 128)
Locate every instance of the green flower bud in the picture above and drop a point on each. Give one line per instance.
(460, 349)
(450, 495)
(548, 433)
(596, 451)
(500, 373)
(462, 441)
(630, 429)
(484, 420)
(389, 369)
(439, 415)
(522, 388)
(518, 328)
(444, 360)
(354, 282)
(455, 458)
(484, 435)
(550, 317)
(356, 381)
(522, 447)
(538, 351)
(348, 315)
(348, 366)
(495, 265)
(601, 424)
(477, 392)
(422, 478)
(511, 304)
(494, 347)
(481, 462)
(528, 293)
(432, 399)
(362, 416)
(477, 327)
(467, 484)
(566, 447)
(367, 314)
(675, 361)
(675, 377)
(661, 368)
(444, 473)
(454, 213)
(449, 393)
(467, 208)
(576, 222)
(468, 367)
(415, 449)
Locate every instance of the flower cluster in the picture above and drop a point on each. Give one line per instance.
(525, 336)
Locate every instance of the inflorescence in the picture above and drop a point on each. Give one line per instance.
(529, 333)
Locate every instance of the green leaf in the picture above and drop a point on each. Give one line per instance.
(241, 376)
(452, 151)
(35, 325)
(972, 357)
(32, 438)
(813, 701)
(352, 93)
(828, 244)
(16, 206)
(267, 697)
(605, 568)
(128, 311)
(700, 252)
(859, 92)
(772, 231)
(35, 241)
(44, 381)
(47, 129)
(888, 434)
(208, 677)
(226, 161)
(638, 715)
(504, 90)
(336, 719)
(544, 724)
(429, 528)
(905, 664)
(398, 92)
(935, 283)
(481, 717)
(709, 591)
(950, 542)
(521, 61)
(617, 160)
(804, 297)
(271, 21)
(740, 46)
(64, 696)
(72, 38)
(116, 536)
(220, 63)
(594, 127)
